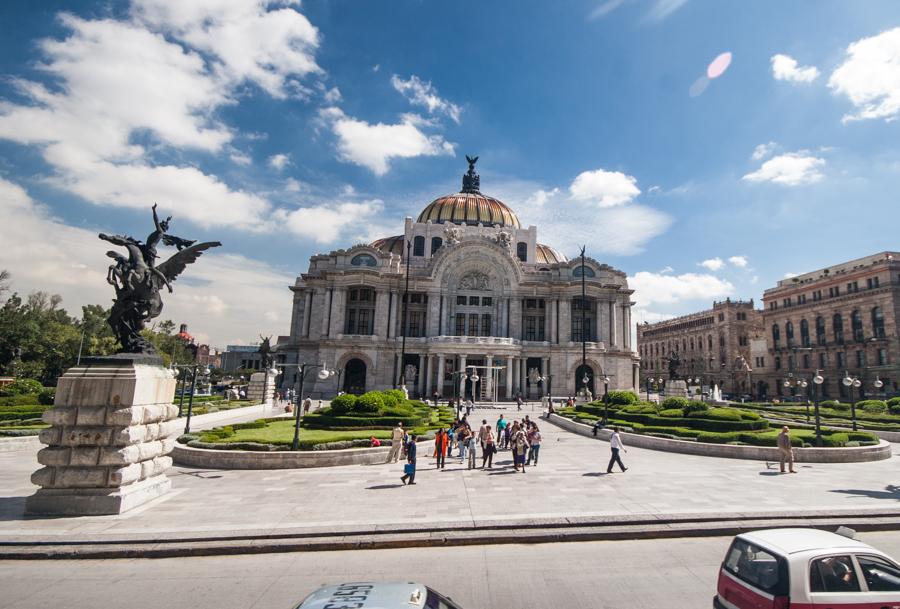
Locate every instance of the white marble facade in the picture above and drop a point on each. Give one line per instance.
(473, 301)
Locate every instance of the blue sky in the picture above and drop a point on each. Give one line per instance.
(286, 129)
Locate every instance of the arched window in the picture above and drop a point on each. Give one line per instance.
(589, 306)
(804, 333)
(436, 243)
(709, 342)
(837, 326)
(586, 270)
(419, 246)
(877, 322)
(522, 251)
(363, 260)
(789, 333)
(856, 326)
(776, 336)
(820, 331)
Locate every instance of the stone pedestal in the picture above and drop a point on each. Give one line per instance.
(676, 389)
(262, 388)
(112, 427)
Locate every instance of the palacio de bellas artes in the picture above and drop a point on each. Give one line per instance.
(485, 300)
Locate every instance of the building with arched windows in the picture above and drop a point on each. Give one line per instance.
(483, 295)
(841, 320)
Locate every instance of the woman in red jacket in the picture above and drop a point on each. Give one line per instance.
(440, 447)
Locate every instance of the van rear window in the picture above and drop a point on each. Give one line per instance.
(758, 567)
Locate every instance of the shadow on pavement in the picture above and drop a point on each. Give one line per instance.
(891, 491)
(379, 487)
(595, 474)
(770, 473)
(12, 508)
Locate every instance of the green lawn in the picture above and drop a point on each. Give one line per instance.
(282, 432)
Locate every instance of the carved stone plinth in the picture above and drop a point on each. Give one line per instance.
(676, 389)
(262, 388)
(112, 427)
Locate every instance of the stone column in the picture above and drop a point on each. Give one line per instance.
(462, 377)
(565, 325)
(523, 373)
(420, 382)
(613, 330)
(429, 375)
(111, 430)
(602, 325)
(440, 375)
(327, 295)
(307, 321)
(392, 315)
(433, 320)
(381, 313)
(550, 320)
(338, 309)
(626, 326)
(515, 319)
(489, 381)
(545, 370)
(509, 378)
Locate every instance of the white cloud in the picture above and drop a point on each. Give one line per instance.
(604, 9)
(604, 188)
(655, 288)
(333, 95)
(623, 230)
(789, 169)
(374, 145)
(641, 315)
(790, 275)
(785, 67)
(240, 158)
(422, 93)
(662, 9)
(158, 78)
(870, 77)
(279, 161)
(293, 185)
(763, 151)
(324, 224)
(713, 264)
(247, 41)
(218, 296)
(666, 269)
(739, 261)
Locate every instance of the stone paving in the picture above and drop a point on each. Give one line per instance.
(570, 481)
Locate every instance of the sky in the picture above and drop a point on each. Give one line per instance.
(706, 148)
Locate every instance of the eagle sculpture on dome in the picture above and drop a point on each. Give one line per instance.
(471, 181)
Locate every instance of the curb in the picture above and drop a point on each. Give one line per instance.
(553, 530)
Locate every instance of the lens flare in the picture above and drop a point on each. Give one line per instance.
(718, 65)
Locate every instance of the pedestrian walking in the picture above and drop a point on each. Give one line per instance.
(440, 448)
(473, 443)
(409, 469)
(501, 428)
(307, 404)
(463, 439)
(615, 445)
(489, 448)
(785, 452)
(519, 402)
(483, 432)
(519, 446)
(396, 444)
(534, 441)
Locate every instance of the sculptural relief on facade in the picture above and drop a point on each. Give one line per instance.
(504, 239)
(452, 234)
(475, 280)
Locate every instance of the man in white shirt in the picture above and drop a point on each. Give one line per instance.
(615, 445)
(396, 444)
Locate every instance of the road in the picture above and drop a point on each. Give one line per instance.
(670, 573)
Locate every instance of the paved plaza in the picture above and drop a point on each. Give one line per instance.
(570, 481)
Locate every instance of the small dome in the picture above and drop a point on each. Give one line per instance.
(469, 208)
(389, 245)
(548, 255)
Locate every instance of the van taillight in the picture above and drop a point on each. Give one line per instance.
(781, 602)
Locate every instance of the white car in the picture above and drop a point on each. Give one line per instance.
(377, 595)
(806, 569)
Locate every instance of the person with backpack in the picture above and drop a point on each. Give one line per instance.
(519, 446)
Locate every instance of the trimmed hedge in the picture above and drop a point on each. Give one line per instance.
(873, 406)
(694, 406)
(369, 403)
(675, 402)
(671, 413)
(621, 398)
(22, 386)
(694, 422)
(343, 404)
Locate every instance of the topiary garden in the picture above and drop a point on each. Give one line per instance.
(693, 420)
(349, 422)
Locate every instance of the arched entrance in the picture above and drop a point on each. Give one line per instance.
(579, 379)
(355, 376)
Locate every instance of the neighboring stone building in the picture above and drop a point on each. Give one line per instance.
(241, 357)
(713, 345)
(482, 292)
(840, 319)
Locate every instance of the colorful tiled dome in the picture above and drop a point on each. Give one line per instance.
(548, 255)
(389, 245)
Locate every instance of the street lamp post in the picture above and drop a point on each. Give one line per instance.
(193, 368)
(817, 388)
(791, 383)
(583, 313)
(605, 399)
(850, 383)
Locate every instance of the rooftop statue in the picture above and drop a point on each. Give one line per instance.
(265, 352)
(137, 280)
(471, 180)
